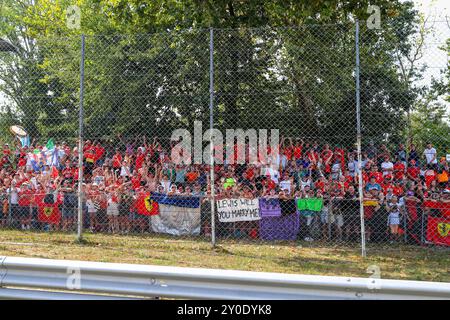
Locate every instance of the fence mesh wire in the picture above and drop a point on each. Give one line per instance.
(147, 95)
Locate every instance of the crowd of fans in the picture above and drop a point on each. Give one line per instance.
(400, 185)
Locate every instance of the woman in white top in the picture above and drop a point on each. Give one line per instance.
(287, 183)
(387, 166)
(125, 169)
(112, 210)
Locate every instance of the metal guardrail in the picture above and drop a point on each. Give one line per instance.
(125, 280)
(21, 294)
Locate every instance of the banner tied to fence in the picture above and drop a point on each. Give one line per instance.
(233, 210)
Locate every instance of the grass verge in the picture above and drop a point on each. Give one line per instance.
(397, 262)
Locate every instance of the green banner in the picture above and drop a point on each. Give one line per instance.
(313, 204)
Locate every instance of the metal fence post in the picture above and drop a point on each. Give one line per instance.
(211, 125)
(80, 144)
(358, 141)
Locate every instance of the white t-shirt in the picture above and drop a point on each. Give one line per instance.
(286, 184)
(429, 154)
(166, 184)
(90, 206)
(303, 184)
(335, 170)
(353, 167)
(14, 194)
(274, 174)
(385, 166)
(124, 171)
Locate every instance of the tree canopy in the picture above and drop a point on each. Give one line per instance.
(277, 64)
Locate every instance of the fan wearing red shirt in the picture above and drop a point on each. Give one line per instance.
(22, 157)
(339, 153)
(343, 184)
(365, 177)
(250, 173)
(5, 162)
(117, 159)
(387, 184)
(26, 198)
(399, 170)
(375, 173)
(327, 156)
(298, 149)
(99, 151)
(413, 171)
(398, 190)
(6, 150)
(313, 157)
(140, 157)
(135, 181)
(348, 178)
(430, 175)
(320, 184)
(288, 150)
(140, 209)
(68, 171)
(268, 183)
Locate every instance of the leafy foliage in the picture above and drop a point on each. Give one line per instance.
(297, 75)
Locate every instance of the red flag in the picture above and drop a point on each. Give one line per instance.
(146, 206)
(49, 213)
(438, 230)
(54, 173)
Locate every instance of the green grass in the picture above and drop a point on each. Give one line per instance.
(400, 262)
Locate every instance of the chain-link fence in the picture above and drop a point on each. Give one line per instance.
(247, 134)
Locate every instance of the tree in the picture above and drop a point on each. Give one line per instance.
(296, 75)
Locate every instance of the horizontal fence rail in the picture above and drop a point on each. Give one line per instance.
(147, 281)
